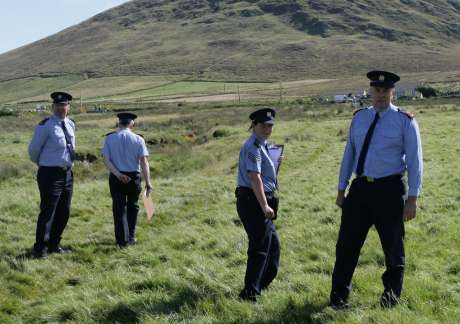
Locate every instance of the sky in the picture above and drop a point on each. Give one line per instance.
(25, 21)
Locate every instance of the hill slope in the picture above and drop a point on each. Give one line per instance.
(254, 39)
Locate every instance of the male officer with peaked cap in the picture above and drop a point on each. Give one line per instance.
(383, 143)
(53, 149)
(125, 154)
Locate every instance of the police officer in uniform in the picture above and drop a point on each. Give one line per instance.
(125, 155)
(257, 205)
(383, 143)
(53, 149)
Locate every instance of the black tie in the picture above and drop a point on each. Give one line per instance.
(365, 148)
(68, 141)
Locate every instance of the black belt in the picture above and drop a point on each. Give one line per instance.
(379, 180)
(57, 168)
(249, 191)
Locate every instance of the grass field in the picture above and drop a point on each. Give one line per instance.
(26, 93)
(188, 265)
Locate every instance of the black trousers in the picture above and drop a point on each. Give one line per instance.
(378, 203)
(125, 206)
(264, 245)
(56, 188)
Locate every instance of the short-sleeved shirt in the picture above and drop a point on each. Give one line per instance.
(254, 157)
(48, 146)
(125, 149)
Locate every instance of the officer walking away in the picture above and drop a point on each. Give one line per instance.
(383, 143)
(257, 204)
(53, 149)
(125, 154)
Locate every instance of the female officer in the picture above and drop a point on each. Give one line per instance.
(257, 205)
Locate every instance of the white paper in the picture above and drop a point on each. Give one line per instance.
(148, 205)
(275, 152)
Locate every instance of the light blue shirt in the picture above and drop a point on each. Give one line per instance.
(48, 146)
(125, 149)
(394, 148)
(254, 157)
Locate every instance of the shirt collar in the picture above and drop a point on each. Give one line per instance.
(384, 112)
(259, 140)
(56, 118)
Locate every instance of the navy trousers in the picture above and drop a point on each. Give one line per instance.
(381, 204)
(56, 187)
(264, 245)
(125, 206)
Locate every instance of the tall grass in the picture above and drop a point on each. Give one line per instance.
(189, 263)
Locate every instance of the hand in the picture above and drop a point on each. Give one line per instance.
(268, 211)
(410, 208)
(123, 178)
(340, 198)
(148, 189)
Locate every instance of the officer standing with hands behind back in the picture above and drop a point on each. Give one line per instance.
(125, 154)
(383, 143)
(53, 149)
(257, 205)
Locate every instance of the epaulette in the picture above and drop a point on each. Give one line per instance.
(141, 135)
(407, 113)
(73, 121)
(43, 122)
(357, 111)
(109, 133)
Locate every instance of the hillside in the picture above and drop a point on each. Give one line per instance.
(249, 40)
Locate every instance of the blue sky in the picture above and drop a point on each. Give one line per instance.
(25, 21)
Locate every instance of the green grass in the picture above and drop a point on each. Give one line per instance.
(188, 265)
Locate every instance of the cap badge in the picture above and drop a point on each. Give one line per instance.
(381, 77)
(269, 114)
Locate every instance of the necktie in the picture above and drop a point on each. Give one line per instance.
(68, 141)
(365, 148)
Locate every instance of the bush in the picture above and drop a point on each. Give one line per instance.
(426, 91)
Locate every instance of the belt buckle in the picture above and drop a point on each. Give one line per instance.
(370, 179)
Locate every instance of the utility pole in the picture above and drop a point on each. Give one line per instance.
(281, 92)
(239, 97)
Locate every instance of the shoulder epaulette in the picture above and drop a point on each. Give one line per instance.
(357, 111)
(141, 135)
(73, 121)
(407, 113)
(109, 133)
(43, 122)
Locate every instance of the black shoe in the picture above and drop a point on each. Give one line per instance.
(132, 242)
(247, 296)
(59, 249)
(338, 302)
(389, 299)
(41, 254)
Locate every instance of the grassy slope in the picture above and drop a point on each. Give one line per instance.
(250, 40)
(189, 263)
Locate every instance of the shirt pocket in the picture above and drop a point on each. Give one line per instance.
(59, 137)
(359, 134)
(391, 138)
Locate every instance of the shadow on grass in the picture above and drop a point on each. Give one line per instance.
(134, 311)
(299, 313)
